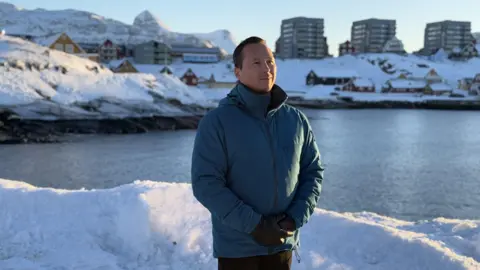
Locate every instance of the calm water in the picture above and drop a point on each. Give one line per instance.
(409, 164)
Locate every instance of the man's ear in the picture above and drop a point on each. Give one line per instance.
(237, 72)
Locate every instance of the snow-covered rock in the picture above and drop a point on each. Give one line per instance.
(151, 23)
(87, 27)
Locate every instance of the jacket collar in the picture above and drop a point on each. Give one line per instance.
(259, 104)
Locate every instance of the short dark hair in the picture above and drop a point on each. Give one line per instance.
(237, 54)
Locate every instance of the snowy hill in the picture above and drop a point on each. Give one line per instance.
(40, 83)
(142, 226)
(87, 27)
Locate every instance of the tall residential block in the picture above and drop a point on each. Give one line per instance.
(371, 35)
(302, 37)
(447, 35)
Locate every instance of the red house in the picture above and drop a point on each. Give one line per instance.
(346, 48)
(189, 78)
(108, 51)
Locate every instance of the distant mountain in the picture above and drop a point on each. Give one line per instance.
(87, 27)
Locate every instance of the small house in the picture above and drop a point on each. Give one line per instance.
(475, 86)
(359, 85)
(166, 70)
(330, 76)
(189, 78)
(404, 86)
(438, 89)
(346, 48)
(226, 80)
(470, 50)
(433, 77)
(122, 66)
(61, 42)
(465, 83)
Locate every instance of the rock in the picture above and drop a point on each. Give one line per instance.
(41, 131)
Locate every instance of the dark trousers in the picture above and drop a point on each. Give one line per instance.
(278, 261)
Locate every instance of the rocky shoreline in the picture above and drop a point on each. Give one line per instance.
(20, 131)
(17, 130)
(388, 104)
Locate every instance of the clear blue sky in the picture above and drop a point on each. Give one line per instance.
(262, 17)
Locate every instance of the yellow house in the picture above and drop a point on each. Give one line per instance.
(122, 66)
(62, 42)
(220, 81)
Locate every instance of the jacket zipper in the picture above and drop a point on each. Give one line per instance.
(275, 179)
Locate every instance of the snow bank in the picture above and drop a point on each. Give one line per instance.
(150, 225)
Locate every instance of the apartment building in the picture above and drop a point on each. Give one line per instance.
(153, 52)
(302, 37)
(371, 35)
(447, 35)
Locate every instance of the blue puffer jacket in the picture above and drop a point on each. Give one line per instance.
(254, 155)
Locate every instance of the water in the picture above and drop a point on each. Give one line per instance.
(409, 164)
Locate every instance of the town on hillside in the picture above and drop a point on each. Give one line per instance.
(300, 38)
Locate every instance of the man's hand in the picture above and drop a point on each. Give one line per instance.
(287, 224)
(268, 231)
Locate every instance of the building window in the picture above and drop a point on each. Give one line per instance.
(69, 48)
(59, 47)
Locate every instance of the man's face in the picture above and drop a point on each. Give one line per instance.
(258, 70)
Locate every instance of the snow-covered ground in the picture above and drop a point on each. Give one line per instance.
(154, 225)
(32, 74)
(292, 74)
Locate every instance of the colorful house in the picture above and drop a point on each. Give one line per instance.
(63, 42)
(108, 51)
(166, 70)
(226, 80)
(359, 85)
(189, 78)
(122, 66)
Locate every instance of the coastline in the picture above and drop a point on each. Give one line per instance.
(439, 104)
(14, 130)
(22, 131)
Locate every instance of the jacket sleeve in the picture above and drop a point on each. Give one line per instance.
(208, 172)
(310, 179)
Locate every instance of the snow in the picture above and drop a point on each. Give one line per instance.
(146, 19)
(220, 38)
(84, 81)
(156, 225)
(88, 27)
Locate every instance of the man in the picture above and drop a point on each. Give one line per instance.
(256, 167)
